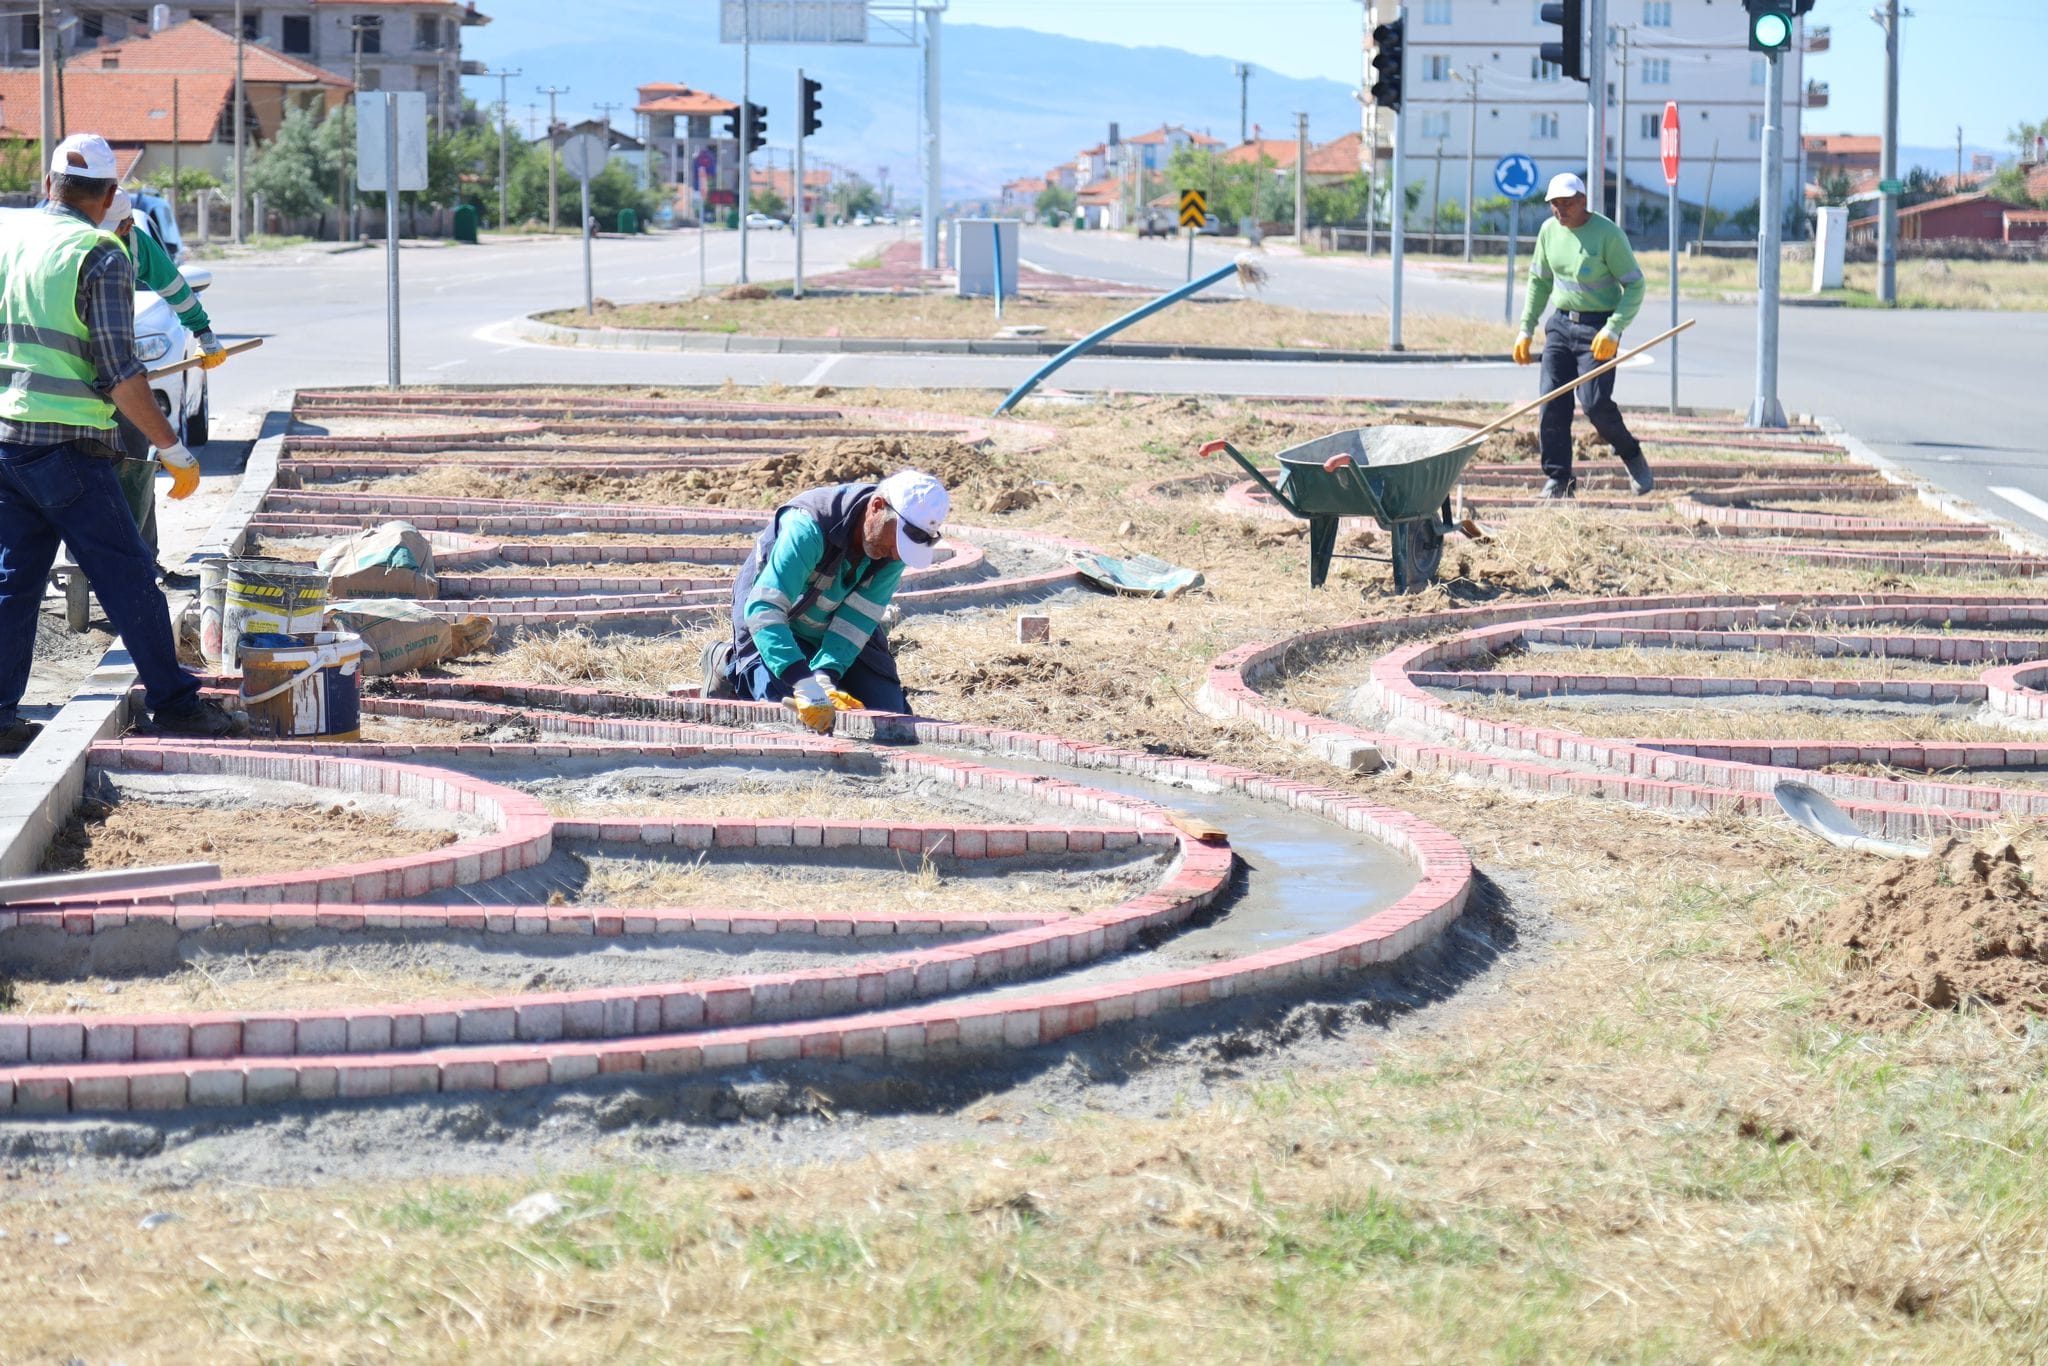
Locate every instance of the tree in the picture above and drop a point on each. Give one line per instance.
(854, 195)
(292, 172)
(21, 166)
(1834, 190)
(2022, 137)
(768, 202)
(1055, 202)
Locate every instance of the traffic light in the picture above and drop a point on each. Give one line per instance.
(732, 123)
(810, 120)
(1569, 51)
(1387, 43)
(757, 127)
(1770, 24)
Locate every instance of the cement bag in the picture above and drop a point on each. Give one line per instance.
(400, 636)
(390, 561)
(189, 653)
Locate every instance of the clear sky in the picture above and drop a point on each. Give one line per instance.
(1977, 63)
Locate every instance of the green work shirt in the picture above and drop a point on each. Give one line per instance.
(834, 627)
(153, 266)
(1589, 269)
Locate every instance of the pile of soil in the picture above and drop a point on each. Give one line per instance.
(244, 841)
(1967, 925)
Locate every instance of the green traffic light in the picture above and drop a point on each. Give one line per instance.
(1772, 31)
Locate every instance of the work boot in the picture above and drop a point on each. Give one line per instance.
(1560, 488)
(18, 736)
(1639, 477)
(176, 578)
(204, 720)
(711, 669)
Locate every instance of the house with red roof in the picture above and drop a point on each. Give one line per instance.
(687, 133)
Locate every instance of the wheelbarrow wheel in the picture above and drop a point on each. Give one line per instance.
(1418, 547)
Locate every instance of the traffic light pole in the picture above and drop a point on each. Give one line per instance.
(796, 190)
(1766, 411)
(746, 178)
(1596, 105)
(1397, 204)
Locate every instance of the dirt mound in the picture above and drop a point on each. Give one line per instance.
(1569, 552)
(1967, 925)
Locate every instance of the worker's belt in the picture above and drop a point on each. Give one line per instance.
(1589, 319)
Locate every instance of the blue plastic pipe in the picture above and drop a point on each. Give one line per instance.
(996, 229)
(1108, 330)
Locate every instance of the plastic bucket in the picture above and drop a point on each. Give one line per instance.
(273, 597)
(302, 687)
(213, 592)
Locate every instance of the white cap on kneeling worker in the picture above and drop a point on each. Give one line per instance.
(921, 504)
(1564, 185)
(84, 154)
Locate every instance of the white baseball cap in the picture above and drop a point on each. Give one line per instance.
(921, 504)
(95, 159)
(1564, 185)
(118, 212)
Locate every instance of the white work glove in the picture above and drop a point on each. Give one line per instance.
(211, 352)
(184, 468)
(811, 700)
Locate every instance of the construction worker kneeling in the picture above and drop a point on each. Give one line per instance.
(807, 604)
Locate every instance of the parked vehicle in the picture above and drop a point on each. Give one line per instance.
(158, 211)
(1154, 224)
(767, 222)
(886, 219)
(861, 220)
(184, 398)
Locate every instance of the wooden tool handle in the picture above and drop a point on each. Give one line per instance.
(1594, 373)
(247, 344)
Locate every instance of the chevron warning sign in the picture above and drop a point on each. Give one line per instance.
(1194, 208)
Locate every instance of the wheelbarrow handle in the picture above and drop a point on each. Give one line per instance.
(1223, 445)
(1214, 448)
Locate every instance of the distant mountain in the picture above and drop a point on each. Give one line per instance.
(1013, 101)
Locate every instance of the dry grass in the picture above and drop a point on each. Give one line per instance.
(332, 980)
(1224, 322)
(1631, 659)
(1614, 718)
(916, 884)
(1905, 508)
(243, 840)
(818, 800)
(642, 664)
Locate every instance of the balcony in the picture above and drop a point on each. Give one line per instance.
(1817, 36)
(1816, 94)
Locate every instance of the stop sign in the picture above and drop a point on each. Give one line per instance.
(1669, 142)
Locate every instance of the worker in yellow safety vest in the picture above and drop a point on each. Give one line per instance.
(67, 364)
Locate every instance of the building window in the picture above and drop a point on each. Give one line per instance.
(373, 79)
(31, 34)
(252, 27)
(1436, 124)
(1756, 71)
(1656, 71)
(1756, 127)
(1436, 67)
(427, 32)
(1540, 70)
(298, 34)
(1436, 11)
(1543, 127)
(369, 34)
(1656, 13)
(1653, 127)
(90, 28)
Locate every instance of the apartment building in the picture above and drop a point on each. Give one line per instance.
(374, 44)
(1695, 52)
(686, 134)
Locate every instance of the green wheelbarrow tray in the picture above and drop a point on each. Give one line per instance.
(1401, 477)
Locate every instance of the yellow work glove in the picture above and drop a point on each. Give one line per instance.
(1522, 353)
(211, 353)
(812, 703)
(844, 700)
(1605, 344)
(184, 468)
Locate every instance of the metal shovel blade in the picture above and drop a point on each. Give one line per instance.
(1814, 811)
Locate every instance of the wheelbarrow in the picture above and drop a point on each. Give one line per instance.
(1401, 477)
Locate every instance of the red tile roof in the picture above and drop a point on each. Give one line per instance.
(201, 49)
(1279, 150)
(2029, 216)
(1844, 144)
(1026, 185)
(1100, 192)
(121, 106)
(1161, 133)
(681, 99)
(1338, 157)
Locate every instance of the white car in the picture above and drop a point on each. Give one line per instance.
(161, 339)
(765, 221)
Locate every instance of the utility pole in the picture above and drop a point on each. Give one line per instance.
(551, 91)
(43, 36)
(1436, 197)
(174, 150)
(504, 133)
(746, 128)
(1766, 411)
(604, 111)
(1471, 79)
(1621, 142)
(1959, 160)
(1301, 180)
(1888, 163)
(1243, 72)
(932, 206)
(241, 133)
(1596, 103)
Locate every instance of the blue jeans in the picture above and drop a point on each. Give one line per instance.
(1567, 354)
(50, 494)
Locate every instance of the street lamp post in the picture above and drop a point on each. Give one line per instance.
(241, 132)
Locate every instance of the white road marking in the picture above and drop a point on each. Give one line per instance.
(2021, 499)
(447, 365)
(822, 369)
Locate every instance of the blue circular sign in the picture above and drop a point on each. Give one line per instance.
(1515, 176)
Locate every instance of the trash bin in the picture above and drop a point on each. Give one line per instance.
(629, 221)
(465, 222)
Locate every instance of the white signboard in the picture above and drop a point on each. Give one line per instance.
(412, 139)
(585, 155)
(794, 21)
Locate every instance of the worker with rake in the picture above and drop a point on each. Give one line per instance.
(1583, 262)
(807, 604)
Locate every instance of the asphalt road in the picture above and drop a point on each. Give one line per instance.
(1947, 394)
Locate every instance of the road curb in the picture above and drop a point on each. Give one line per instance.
(597, 339)
(42, 786)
